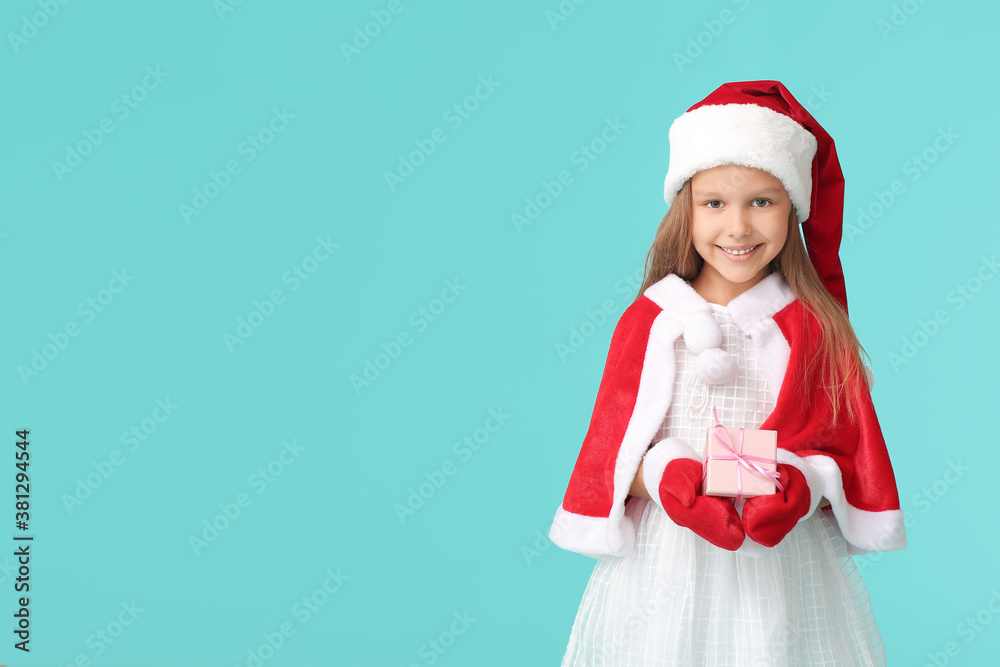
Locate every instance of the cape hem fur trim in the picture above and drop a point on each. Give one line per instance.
(598, 537)
(592, 536)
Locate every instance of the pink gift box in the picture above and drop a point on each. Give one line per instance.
(720, 474)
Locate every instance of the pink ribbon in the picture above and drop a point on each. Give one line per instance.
(742, 460)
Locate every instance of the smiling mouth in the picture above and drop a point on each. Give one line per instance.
(739, 251)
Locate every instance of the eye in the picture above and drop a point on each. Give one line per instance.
(761, 199)
(714, 201)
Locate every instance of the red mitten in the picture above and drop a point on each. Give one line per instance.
(672, 474)
(767, 519)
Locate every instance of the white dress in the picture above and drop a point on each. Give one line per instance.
(678, 600)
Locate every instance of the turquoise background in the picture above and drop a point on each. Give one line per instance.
(477, 545)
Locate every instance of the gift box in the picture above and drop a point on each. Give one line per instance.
(739, 463)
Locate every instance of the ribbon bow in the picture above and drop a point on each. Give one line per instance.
(742, 460)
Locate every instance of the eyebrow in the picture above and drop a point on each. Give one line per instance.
(764, 191)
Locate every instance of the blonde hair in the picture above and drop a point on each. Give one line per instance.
(835, 358)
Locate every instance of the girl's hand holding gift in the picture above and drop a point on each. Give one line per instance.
(672, 473)
(768, 519)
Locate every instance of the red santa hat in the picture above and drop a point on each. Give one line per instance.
(759, 124)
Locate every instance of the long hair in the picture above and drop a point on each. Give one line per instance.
(835, 362)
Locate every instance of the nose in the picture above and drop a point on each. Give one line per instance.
(738, 224)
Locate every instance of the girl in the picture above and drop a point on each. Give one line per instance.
(737, 322)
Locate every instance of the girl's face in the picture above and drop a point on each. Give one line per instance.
(739, 224)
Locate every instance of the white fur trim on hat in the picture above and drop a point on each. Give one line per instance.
(747, 135)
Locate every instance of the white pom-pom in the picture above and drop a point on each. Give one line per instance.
(715, 366)
(702, 332)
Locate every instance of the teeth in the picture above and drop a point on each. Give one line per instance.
(738, 252)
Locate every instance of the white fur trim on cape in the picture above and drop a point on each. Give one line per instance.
(760, 303)
(653, 398)
(677, 297)
(743, 134)
(864, 531)
(588, 535)
(772, 354)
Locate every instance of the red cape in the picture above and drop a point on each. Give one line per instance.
(846, 462)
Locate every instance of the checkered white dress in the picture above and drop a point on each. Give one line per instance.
(678, 600)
